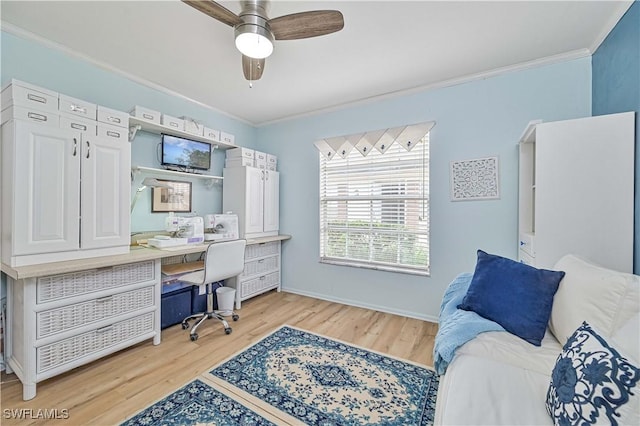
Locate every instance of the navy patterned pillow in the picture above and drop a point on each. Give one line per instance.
(592, 383)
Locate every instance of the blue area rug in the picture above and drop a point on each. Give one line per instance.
(319, 381)
(197, 403)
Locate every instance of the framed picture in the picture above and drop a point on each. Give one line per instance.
(176, 197)
(475, 179)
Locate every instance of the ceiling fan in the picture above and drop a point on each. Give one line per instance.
(255, 32)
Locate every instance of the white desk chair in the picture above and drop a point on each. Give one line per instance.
(222, 260)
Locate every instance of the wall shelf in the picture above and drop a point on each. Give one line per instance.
(209, 178)
(136, 123)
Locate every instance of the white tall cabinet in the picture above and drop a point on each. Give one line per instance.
(576, 191)
(66, 178)
(253, 194)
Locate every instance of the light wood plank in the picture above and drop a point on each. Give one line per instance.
(111, 389)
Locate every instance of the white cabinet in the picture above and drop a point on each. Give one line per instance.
(261, 271)
(66, 190)
(59, 322)
(253, 194)
(576, 191)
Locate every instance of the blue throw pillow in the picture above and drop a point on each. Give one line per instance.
(516, 296)
(592, 383)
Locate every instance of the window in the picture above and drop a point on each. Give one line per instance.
(374, 209)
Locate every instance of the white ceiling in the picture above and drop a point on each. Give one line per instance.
(386, 47)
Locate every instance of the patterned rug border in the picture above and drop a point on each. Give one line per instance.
(264, 407)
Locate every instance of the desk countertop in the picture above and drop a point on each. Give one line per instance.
(136, 254)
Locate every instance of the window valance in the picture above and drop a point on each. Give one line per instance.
(407, 136)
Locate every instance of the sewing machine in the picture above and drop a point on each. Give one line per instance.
(221, 227)
(184, 230)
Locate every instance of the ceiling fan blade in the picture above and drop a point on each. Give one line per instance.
(306, 24)
(216, 11)
(252, 68)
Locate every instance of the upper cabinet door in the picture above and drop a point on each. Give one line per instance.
(271, 201)
(46, 189)
(254, 200)
(105, 192)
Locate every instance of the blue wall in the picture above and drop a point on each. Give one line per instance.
(616, 88)
(476, 119)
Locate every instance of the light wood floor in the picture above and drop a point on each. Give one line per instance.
(109, 390)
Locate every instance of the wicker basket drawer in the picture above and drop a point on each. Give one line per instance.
(260, 250)
(256, 285)
(73, 348)
(76, 283)
(72, 316)
(260, 266)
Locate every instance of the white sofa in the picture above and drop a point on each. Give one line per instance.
(498, 378)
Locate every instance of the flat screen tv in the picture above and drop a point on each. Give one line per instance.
(185, 153)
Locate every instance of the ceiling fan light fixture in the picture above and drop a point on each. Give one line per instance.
(254, 41)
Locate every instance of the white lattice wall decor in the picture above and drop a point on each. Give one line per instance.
(475, 179)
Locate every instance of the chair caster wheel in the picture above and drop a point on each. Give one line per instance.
(235, 317)
(228, 330)
(193, 337)
(185, 325)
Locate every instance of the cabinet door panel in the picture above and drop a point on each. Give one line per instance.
(254, 200)
(105, 192)
(271, 201)
(47, 197)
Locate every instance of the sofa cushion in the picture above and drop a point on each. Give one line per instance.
(515, 295)
(592, 383)
(627, 338)
(589, 293)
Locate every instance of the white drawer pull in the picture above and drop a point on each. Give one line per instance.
(113, 134)
(78, 108)
(104, 329)
(262, 278)
(36, 98)
(173, 124)
(78, 126)
(114, 119)
(104, 299)
(38, 117)
(147, 116)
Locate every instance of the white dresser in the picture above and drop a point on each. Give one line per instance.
(59, 322)
(261, 269)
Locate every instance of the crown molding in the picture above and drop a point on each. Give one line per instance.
(22, 33)
(611, 23)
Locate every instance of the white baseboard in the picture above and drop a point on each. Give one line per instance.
(359, 304)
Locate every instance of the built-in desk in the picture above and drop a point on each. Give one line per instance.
(61, 315)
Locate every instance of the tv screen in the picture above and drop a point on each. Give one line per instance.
(185, 153)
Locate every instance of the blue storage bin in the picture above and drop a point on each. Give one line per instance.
(175, 304)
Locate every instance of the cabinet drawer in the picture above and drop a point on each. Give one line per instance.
(73, 348)
(113, 133)
(72, 316)
(259, 250)
(256, 285)
(29, 114)
(113, 117)
(78, 123)
(260, 266)
(76, 283)
(29, 96)
(77, 107)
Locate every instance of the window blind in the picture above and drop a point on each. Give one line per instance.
(374, 209)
